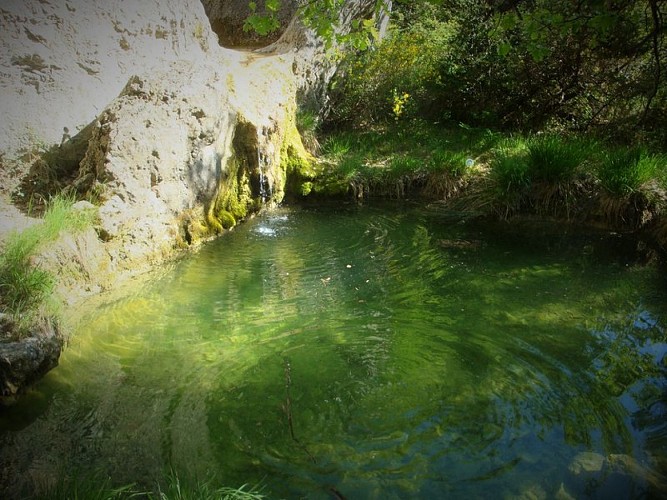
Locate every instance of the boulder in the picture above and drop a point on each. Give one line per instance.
(25, 361)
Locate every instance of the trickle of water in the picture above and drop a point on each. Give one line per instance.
(263, 164)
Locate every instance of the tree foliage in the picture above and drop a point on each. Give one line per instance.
(579, 64)
(324, 18)
(519, 64)
(394, 80)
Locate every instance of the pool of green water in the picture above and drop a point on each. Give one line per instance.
(367, 352)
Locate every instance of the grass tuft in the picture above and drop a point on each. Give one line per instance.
(101, 488)
(307, 123)
(202, 490)
(446, 160)
(624, 171)
(554, 159)
(510, 170)
(24, 287)
(336, 148)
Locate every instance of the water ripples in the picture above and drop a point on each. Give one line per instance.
(425, 356)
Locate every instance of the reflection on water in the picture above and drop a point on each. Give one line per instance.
(372, 353)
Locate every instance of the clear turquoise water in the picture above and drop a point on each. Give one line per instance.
(371, 352)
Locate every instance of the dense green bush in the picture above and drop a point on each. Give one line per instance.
(552, 158)
(523, 66)
(393, 80)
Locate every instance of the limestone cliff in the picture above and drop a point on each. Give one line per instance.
(144, 109)
(138, 105)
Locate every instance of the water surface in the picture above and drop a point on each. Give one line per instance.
(368, 352)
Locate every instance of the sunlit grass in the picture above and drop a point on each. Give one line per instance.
(484, 171)
(25, 287)
(509, 167)
(625, 170)
(398, 157)
(552, 158)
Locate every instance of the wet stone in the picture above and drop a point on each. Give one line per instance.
(587, 462)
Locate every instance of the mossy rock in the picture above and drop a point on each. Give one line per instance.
(235, 195)
(330, 188)
(226, 219)
(213, 223)
(305, 188)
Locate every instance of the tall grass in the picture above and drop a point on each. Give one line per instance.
(307, 123)
(335, 148)
(90, 489)
(24, 286)
(510, 169)
(177, 489)
(552, 158)
(446, 160)
(100, 488)
(545, 173)
(625, 171)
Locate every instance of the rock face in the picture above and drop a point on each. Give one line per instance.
(140, 107)
(176, 137)
(63, 61)
(24, 362)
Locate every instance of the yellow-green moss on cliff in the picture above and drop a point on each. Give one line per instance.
(234, 200)
(299, 165)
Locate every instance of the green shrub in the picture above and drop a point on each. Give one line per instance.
(553, 159)
(509, 166)
(395, 80)
(624, 171)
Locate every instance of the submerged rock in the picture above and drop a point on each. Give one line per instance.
(587, 461)
(625, 464)
(25, 361)
(563, 494)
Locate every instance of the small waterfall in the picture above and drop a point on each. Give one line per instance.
(263, 165)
